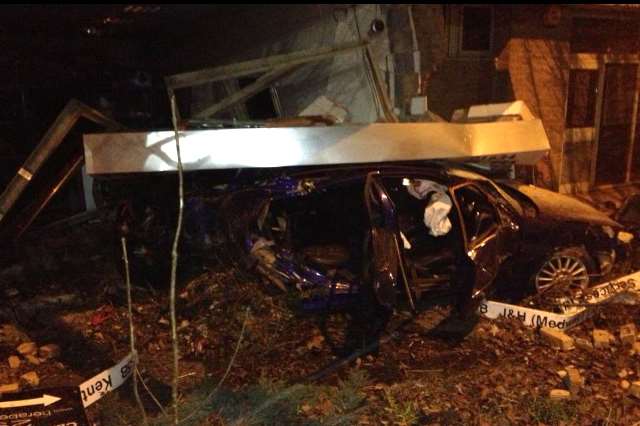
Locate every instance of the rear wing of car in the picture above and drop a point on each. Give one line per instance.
(523, 142)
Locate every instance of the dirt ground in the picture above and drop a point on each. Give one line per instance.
(249, 355)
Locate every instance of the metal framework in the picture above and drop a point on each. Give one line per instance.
(274, 67)
(55, 135)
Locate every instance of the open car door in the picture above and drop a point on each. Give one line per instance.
(385, 263)
(483, 236)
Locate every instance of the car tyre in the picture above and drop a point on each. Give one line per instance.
(564, 273)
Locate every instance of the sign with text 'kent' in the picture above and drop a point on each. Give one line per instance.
(61, 406)
(103, 383)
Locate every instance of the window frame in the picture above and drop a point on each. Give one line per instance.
(456, 32)
(598, 62)
(472, 243)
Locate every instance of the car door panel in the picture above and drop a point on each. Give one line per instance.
(387, 267)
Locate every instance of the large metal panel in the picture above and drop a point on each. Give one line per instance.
(523, 141)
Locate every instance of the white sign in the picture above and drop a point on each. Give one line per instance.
(103, 383)
(45, 400)
(538, 318)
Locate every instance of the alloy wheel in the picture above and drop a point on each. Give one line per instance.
(564, 273)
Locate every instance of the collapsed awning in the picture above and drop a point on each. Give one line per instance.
(521, 141)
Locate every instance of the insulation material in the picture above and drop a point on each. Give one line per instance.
(325, 107)
(342, 79)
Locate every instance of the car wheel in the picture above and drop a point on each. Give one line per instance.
(566, 272)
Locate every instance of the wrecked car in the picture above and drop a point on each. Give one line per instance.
(407, 230)
(377, 209)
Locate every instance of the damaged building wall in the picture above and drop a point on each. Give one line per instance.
(339, 83)
(343, 79)
(457, 55)
(418, 46)
(407, 43)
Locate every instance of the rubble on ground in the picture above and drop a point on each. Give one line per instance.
(10, 388)
(573, 380)
(628, 334)
(49, 351)
(559, 394)
(434, 369)
(31, 378)
(14, 362)
(557, 338)
(27, 348)
(602, 339)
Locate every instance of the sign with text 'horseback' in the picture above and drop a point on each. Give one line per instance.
(61, 406)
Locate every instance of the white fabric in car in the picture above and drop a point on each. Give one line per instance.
(437, 210)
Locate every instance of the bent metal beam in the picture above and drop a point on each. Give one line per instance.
(108, 153)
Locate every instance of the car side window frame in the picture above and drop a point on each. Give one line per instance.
(491, 232)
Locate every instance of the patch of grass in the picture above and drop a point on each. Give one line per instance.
(551, 412)
(403, 413)
(349, 396)
(272, 402)
(494, 414)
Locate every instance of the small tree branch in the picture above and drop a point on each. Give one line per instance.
(174, 264)
(150, 393)
(226, 373)
(235, 353)
(132, 336)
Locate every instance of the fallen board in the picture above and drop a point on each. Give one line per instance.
(43, 407)
(597, 295)
(524, 142)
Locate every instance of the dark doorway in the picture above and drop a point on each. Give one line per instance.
(616, 121)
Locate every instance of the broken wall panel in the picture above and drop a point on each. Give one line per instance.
(342, 79)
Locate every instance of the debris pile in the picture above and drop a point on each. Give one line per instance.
(435, 369)
(27, 355)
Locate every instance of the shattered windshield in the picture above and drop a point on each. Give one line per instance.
(500, 194)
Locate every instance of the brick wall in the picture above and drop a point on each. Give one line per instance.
(537, 58)
(460, 83)
(539, 74)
